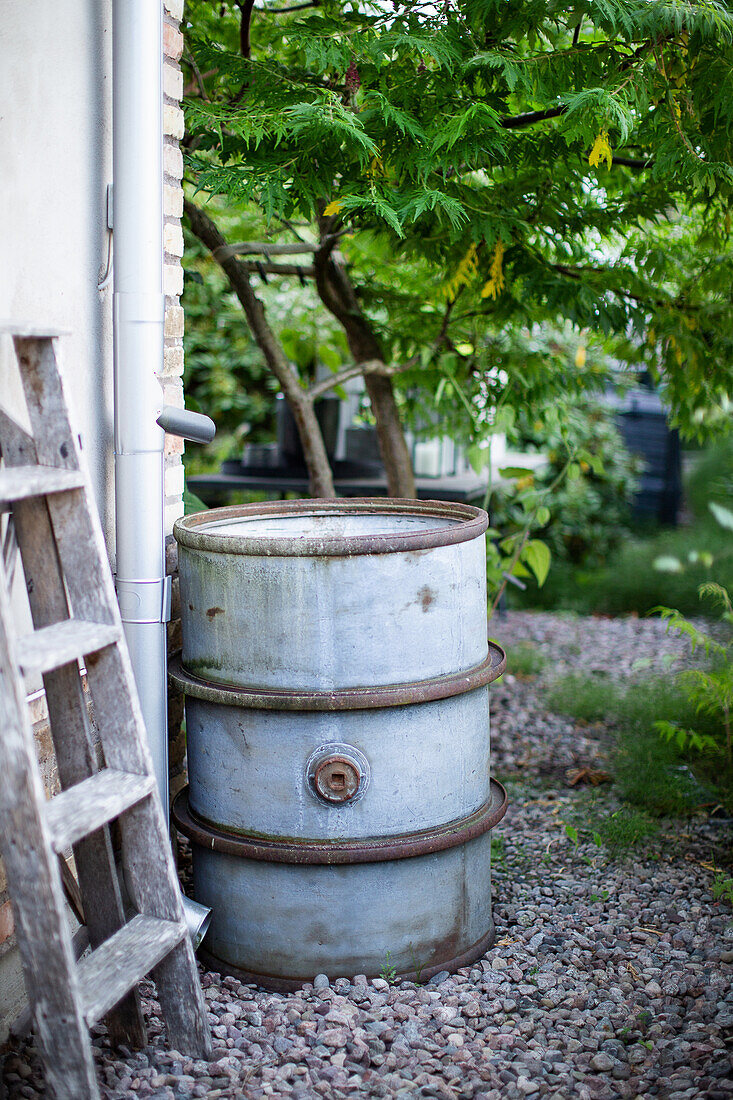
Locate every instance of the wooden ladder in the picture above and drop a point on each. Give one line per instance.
(54, 525)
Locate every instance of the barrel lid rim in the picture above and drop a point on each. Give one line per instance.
(467, 523)
(353, 698)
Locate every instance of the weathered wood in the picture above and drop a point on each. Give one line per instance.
(118, 964)
(10, 551)
(21, 1025)
(35, 481)
(76, 756)
(182, 1001)
(53, 646)
(80, 557)
(71, 889)
(35, 886)
(86, 807)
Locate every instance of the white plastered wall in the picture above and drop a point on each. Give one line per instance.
(55, 164)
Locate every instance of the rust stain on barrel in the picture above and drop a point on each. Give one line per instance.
(426, 597)
(214, 611)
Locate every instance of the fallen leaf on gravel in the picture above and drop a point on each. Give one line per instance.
(592, 776)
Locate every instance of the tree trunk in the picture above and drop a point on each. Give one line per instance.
(392, 442)
(337, 294)
(320, 476)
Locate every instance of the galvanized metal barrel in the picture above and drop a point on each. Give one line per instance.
(336, 671)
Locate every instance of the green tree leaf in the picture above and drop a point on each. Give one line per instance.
(537, 556)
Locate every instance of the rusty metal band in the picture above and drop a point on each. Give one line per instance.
(455, 523)
(279, 984)
(338, 852)
(357, 698)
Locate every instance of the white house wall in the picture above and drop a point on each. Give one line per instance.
(55, 165)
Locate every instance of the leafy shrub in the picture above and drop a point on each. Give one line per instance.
(629, 581)
(525, 659)
(709, 690)
(585, 698)
(626, 829)
(573, 507)
(659, 776)
(225, 376)
(711, 479)
(590, 507)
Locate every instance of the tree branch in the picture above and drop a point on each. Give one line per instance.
(294, 7)
(301, 405)
(264, 248)
(255, 267)
(377, 366)
(371, 366)
(578, 274)
(337, 294)
(199, 80)
(633, 162)
(516, 122)
(245, 9)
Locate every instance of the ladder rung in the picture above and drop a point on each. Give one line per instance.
(122, 961)
(21, 482)
(64, 642)
(87, 806)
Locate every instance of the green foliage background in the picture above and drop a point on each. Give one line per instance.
(435, 134)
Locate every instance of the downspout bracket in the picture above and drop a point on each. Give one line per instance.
(145, 601)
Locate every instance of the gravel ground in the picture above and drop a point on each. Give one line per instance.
(610, 978)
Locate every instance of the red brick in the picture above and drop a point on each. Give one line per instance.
(172, 41)
(7, 924)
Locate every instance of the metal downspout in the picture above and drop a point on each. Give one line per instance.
(139, 312)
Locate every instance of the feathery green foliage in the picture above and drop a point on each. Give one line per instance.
(592, 144)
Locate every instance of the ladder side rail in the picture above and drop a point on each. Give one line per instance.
(76, 757)
(41, 924)
(10, 551)
(150, 874)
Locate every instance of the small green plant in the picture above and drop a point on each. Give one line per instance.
(572, 834)
(710, 691)
(498, 853)
(625, 829)
(722, 887)
(418, 967)
(603, 896)
(525, 659)
(388, 971)
(585, 698)
(650, 772)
